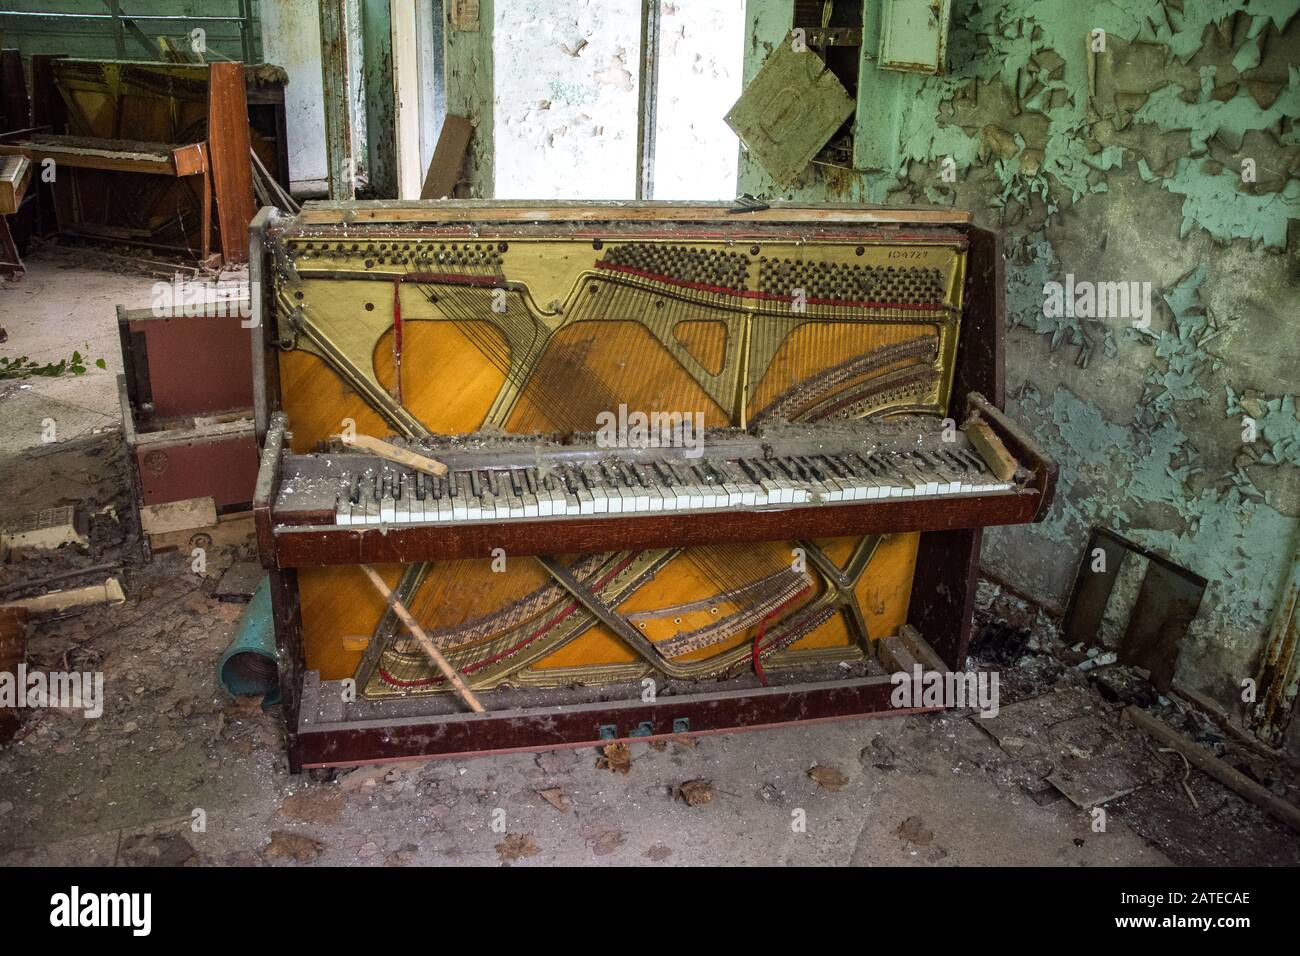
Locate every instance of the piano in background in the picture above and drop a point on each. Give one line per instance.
(815, 527)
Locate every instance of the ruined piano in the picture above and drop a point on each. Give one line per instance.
(705, 469)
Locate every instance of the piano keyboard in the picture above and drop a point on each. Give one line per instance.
(573, 483)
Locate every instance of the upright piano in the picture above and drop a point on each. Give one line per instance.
(703, 468)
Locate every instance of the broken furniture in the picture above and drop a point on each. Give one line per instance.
(1134, 602)
(744, 591)
(15, 174)
(17, 206)
(155, 154)
(788, 113)
(187, 395)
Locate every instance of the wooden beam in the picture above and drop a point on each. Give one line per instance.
(648, 93)
(1230, 777)
(228, 156)
(406, 96)
(340, 158)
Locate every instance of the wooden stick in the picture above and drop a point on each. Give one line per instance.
(1230, 777)
(989, 445)
(422, 638)
(392, 453)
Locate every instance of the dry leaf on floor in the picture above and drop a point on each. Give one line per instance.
(832, 778)
(516, 846)
(913, 830)
(696, 792)
(313, 805)
(616, 757)
(607, 842)
(659, 852)
(293, 846)
(556, 798)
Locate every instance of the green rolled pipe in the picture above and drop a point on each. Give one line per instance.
(248, 667)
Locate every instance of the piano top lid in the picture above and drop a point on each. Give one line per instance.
(512, 211)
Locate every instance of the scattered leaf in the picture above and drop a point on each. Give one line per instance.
(516, 846)
(607, 842)
(913, 830)
(617, 757)
(832, 778)
(293, 846)
(556, 798)
(695, 793)
(314, 805)
(659, 852)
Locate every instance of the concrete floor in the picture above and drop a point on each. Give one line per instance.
(170, 750)
(56, 309)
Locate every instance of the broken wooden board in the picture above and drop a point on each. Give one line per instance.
(229, 531)
(448, 158)
(15, 174)
(991, 449)
(1072, 743)
(184, 515)
(789, 112)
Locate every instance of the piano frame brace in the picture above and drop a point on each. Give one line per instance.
(324, 731)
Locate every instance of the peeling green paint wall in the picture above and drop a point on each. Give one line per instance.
(1124, 164)
(468, 64)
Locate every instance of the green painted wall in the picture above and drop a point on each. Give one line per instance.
(468, 67)
(1124, 165)
(53, 26)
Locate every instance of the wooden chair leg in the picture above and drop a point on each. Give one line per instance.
(10, 262)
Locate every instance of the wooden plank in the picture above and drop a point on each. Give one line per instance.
(1230, 777)
(577, 211)
(190, 159)
(178, 515)
(406, 97)
(230, 531)
(88, 159)
(228, 157)
(991, 449)
(448, 158)
(15, 174)
(395, 454)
